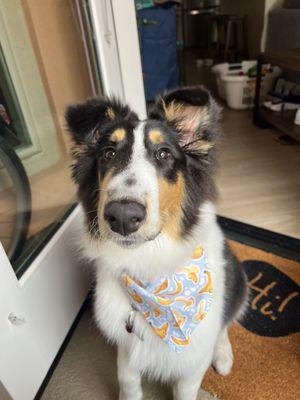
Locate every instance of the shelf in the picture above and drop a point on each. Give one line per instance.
(289, 60)
(284, 121)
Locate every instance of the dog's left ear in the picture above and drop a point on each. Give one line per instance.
(193, 113)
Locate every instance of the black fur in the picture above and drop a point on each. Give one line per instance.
(85, 119)
(198, 167)
(235, 286)
(196, 96)
(90, 127)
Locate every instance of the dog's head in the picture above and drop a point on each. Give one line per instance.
(140, 179)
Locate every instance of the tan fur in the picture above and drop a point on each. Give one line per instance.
(118, 135)
(103, 195)
(156, 136)
(110, 114)
(172, 110)
(188, 119)
(78, 150)
(171, 197)
(204, 146)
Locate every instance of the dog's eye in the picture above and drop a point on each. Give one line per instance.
(109, 153)
(163, 154)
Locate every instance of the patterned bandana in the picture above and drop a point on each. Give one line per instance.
(174, 304)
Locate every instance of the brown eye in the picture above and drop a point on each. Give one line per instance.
(109, 153)
(163, 154)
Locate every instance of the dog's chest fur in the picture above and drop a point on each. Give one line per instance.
(112, 305)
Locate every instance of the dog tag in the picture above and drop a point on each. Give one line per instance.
(129, 325)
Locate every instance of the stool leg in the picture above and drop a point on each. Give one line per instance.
(236, 42)
(228, 37)
(218, 49)
(246, 50)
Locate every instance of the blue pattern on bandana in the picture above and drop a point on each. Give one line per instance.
(174, 304)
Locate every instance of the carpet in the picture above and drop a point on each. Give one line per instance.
(266, 345)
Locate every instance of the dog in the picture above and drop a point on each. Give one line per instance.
(148, 194)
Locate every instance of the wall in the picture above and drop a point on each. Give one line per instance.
(255, 10)
(269, 5)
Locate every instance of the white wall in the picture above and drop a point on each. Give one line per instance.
(269, 5)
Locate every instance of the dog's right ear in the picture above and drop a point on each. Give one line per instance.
(86, 120)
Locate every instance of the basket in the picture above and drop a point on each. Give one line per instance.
(239, 90)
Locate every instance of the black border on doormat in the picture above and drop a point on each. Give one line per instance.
(263, 239)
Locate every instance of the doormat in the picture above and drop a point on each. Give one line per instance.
(266, 343)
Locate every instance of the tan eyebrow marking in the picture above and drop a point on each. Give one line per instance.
(118, 135)
(156, 137)
(110, 113)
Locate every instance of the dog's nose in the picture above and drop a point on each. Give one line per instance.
(124, 217)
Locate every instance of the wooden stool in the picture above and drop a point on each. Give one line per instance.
(228, 28)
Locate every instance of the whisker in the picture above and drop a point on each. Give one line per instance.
(100, 190)
(89, 212)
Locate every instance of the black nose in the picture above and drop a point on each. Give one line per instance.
(124, 217)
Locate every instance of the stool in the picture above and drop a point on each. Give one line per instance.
(228, 27)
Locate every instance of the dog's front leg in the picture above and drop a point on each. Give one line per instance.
(128, 376)
(187, 387)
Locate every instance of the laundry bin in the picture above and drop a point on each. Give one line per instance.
(236, 87)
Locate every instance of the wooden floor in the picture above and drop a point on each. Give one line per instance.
(259, 177)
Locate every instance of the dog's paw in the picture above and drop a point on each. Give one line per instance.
(223, 360)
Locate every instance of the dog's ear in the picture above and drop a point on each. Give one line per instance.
(86, 120)
(193, 113)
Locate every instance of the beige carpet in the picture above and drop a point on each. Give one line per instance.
(87, 370)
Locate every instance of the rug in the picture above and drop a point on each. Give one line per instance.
(266, 345)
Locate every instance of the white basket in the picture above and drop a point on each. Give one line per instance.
(238, 90)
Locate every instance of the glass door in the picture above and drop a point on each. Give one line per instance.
(52, 53)
(45, 64)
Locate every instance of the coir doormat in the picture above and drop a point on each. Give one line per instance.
(266, 343)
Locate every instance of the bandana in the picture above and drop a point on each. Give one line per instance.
(174, 304)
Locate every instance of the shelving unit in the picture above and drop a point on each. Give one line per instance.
(263, 117)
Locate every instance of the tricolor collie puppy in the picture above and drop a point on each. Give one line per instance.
(167, 285)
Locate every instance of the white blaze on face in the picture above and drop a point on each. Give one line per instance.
(144, 189)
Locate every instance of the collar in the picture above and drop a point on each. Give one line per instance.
(174, 305)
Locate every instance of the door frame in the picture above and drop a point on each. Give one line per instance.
(37, 311)
(117, 43)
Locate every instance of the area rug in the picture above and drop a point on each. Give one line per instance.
(266, 344)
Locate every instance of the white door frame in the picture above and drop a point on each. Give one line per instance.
(129, 55)
(37, 310)
(117, 42)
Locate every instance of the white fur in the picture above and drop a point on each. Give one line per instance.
(223, 356)
(151, 355)
(145, 191)
(153, 259)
